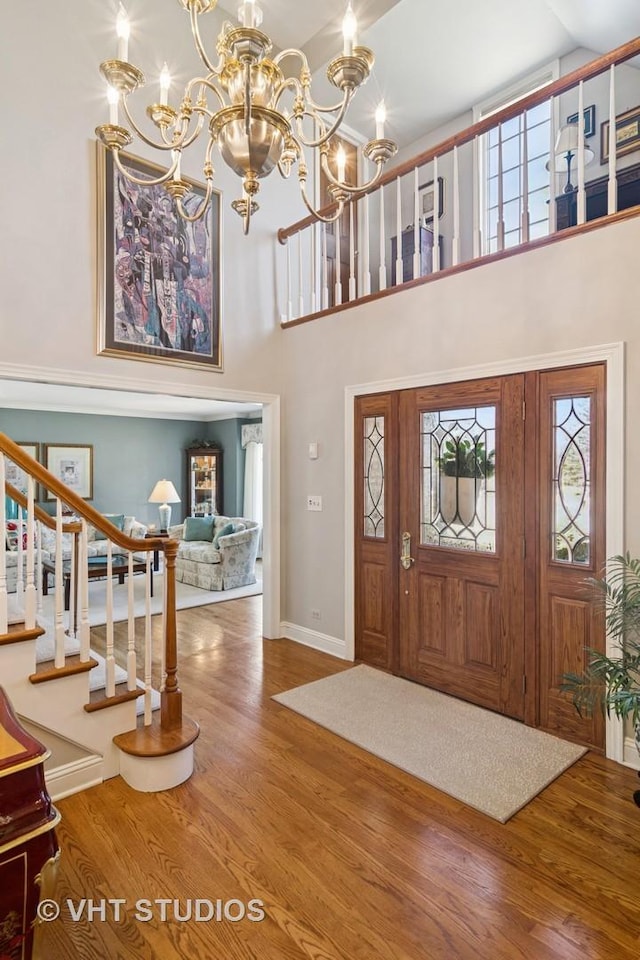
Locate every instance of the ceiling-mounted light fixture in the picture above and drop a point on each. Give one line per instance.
(260, 118)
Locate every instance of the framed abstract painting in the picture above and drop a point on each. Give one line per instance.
(159, 275)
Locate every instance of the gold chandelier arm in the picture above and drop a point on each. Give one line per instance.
(186, 142)
(326, 135)
(144, 181)
(152, 143)
(192, 217)
(292, 52)
(361, 188)
(195, 30)
(314, 213)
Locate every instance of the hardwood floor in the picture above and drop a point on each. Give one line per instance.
(352, 858)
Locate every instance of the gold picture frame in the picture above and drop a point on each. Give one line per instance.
(159, 275)
(627, 134)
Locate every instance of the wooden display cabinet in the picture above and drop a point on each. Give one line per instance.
(204, 481)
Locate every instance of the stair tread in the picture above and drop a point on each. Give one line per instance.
(47, 670)
(17, 632)
(98, 699)
(154, 741)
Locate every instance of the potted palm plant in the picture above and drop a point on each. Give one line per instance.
(464, 465)
(612, 684)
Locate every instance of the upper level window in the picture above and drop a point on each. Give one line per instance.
(501, 166)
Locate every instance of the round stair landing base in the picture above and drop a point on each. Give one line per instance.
(151, 774)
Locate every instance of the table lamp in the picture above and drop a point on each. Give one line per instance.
(566, 150)
(164, 493)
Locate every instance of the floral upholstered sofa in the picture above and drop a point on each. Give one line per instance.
(216, 553)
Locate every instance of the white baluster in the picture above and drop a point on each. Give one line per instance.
(59, 590)
(4, 600)
(131, 628)
(399, 264)
(20, 559)
(72, 619)
(39, 567)
(436, 218)
(382, 269)
(313, 235)
(110, 657)
(477, 202)
(300, 283)
(582, 197)
(30, 591)
(552, 168)
(352, 255)
(338, 265)
(289, 294)
(612, 205)
(325, 270)
(524, 216)
(366, 267)
(455, 242)
(500, 222)
(83, 592)
(148, 643)
(416, 225)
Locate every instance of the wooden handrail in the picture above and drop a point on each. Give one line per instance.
(624, 52)
(42, 475)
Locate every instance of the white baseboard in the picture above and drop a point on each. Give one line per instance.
(75, 776)
(631, 756)
(315, 639)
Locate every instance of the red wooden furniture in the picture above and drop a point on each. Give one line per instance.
(28, 845)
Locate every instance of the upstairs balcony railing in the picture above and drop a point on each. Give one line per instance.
(518, 178)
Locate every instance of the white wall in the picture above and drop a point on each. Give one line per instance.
(53, 96)
(575, 293)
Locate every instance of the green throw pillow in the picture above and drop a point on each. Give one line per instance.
(199, 528)
(226, 530)
(117, 519)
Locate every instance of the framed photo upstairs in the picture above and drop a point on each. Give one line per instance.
(159, 275)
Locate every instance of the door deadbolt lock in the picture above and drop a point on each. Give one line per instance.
(405, 557)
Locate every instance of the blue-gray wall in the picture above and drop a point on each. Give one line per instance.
(130, 454)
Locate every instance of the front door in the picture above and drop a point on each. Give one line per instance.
(480, 512)
(461, 624)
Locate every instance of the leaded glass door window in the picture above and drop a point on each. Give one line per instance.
(571, 481)
(458, 500)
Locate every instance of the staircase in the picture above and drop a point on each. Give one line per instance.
(121, 707)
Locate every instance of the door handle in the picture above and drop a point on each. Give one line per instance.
(405, 557)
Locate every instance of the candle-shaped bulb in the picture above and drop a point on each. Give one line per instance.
(381, 116)
(349, 29)
(113, 97)
(176, 156)
(341, 162)
(165, 83)
(250, 14)
(122, 30)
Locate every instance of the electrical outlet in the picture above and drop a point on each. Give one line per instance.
(314, 503)
(315, 614)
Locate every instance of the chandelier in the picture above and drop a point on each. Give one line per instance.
(257, 116)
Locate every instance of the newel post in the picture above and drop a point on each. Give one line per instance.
(171, 695)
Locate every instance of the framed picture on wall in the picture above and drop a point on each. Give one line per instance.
(72, 464)
(15, 475)
(427, 200)
(627, 134)
(159, 275)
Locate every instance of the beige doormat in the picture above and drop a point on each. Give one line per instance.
(488, 761)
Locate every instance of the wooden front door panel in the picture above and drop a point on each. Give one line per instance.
(572, 434)
(376, 458)
(461, 626)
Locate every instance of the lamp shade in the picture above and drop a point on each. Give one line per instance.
(164, 492)
(566, 148)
